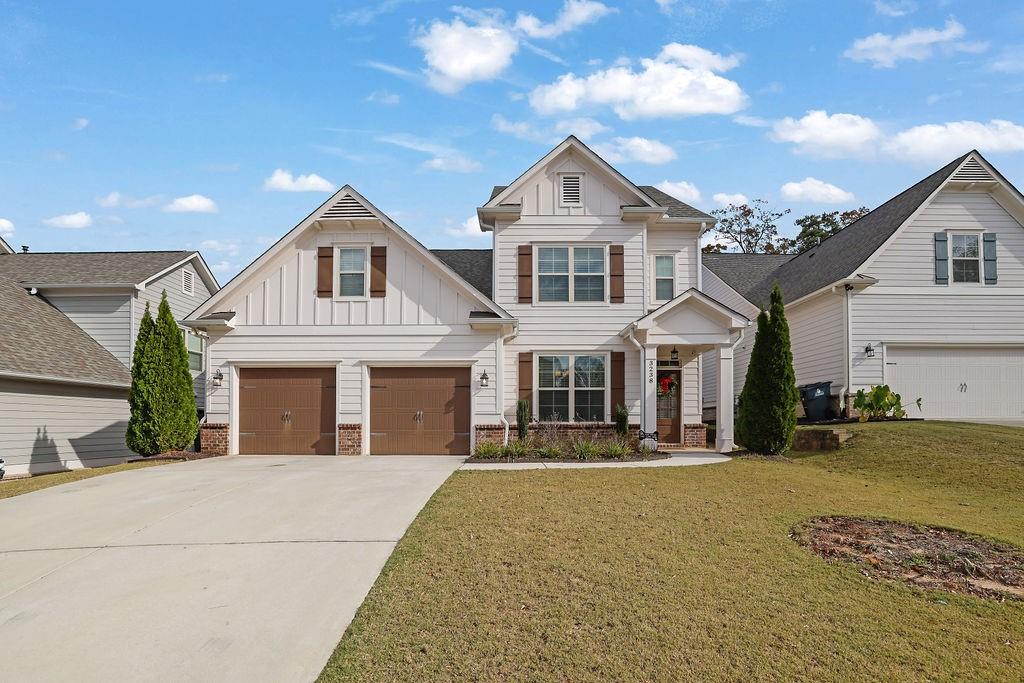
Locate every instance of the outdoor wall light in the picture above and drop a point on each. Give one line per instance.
(675, 355)
(218, 378)
(869, 351)
(484, 379)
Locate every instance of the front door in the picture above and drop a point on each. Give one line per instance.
(669, 423)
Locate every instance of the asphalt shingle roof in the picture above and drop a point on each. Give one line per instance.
(474, 265)
(746, 273)
(37, 339)
(89, 267)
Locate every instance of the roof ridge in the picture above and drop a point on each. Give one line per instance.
(123, 251)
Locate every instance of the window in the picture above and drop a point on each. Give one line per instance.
(584, 282)
(571, 190)
(196, 346)
(966, 252)
(188, 282)
(352, 272)
(664, 277)
(570, 385)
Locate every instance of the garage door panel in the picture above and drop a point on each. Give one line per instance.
(419, 411)
(287, 411)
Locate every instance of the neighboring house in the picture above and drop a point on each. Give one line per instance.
(925, 294)
(102, 295)
(348, 336)
(5, 248)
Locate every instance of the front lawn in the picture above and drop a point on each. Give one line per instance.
(690, 574)
(15, 487)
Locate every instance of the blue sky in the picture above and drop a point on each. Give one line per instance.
(218, 126)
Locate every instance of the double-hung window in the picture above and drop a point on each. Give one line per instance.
(664, 277)
(966, 253)
(352, 272)
(569, 274)
(571, 387)
(196, 346)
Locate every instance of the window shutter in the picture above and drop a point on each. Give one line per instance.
(989, 242)
(324, 272)
(526, 378)
(618, 380)
(941, 259)
(378, 271)
(525, 273)
(616, 269)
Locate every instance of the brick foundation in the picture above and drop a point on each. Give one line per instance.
(492, 433)
(819, 439)
(213, 438)
(599, 431)
(695, 435)
(350, 439)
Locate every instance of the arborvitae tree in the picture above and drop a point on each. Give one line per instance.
(767, 411)
(141, 435)
(177, 422)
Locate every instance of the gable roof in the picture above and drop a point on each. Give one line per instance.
(675, 208)
(745, 273)
(474, 265)
(736, 319)
(105, 268)
(5, 248)
(38, 341)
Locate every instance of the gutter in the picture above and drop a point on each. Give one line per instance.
(63, 380)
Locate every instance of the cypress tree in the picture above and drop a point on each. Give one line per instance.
(141, 434)
(767, 413)
(176, 419)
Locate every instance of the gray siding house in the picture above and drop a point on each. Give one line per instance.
(56, 416)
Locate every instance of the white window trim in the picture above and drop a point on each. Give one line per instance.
(654, 275)
(572, 281)
(572, 379)
(561, 195)
(188, 291)
(188, 332)
(980, 234)
(337, 271)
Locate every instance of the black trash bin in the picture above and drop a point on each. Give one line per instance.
(815, 398)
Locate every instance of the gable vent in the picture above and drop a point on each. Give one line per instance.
(572, 190)
(973, 172)
(188, 282)
(347, 208)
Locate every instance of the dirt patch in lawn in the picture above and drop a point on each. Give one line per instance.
(925, 556)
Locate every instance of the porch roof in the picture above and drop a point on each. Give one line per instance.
(691, 297)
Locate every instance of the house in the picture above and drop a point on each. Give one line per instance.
(925, 294)
(348, 336)
(70, 321)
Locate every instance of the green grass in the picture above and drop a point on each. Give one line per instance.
(690, 574)
(16, 487)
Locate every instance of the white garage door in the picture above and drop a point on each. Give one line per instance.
(958, 382)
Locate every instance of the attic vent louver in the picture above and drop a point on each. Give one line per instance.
(188, 283)
(973, 172)
(347, 208)
(572, 190)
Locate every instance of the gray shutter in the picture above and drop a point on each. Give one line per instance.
(941, 259)
(989, 241)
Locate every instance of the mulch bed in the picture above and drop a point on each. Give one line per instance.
(176, 456)
(928, 557)
(633, 458)
(854, 420)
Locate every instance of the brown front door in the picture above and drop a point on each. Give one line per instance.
(419, 411)
(286, 411)
(670, 390)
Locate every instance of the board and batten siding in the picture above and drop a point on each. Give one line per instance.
(105, 318)
(49, 427)
(681, 243)
(907, 307)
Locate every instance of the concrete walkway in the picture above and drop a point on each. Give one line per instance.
(679, 459)
(230, 569)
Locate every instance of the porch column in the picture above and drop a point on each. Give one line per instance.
(724, 429)
(649, 419)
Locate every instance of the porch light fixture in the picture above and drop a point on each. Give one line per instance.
(484, 379)
(869, 351)
(218, 378)
(675, 355)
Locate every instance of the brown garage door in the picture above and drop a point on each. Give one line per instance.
(419, 411)
(286, 411)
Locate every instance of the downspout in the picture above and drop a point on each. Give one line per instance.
(848, 344)
(643, 390)
(499, 371)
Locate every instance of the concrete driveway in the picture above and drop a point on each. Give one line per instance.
(227, 569)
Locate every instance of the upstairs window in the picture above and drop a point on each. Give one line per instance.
(571, 190)
(196, 346)
(966, 256)
(568, 274)
(352, 272)
(664, 277)
(188, 282)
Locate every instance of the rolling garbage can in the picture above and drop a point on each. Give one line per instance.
(815, 398)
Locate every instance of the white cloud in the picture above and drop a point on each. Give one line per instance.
(884, 50)
(384, 97)
(80, 124)
(458, 54)
(640, 150)
(666, 5)
(524, 130)
(70, 221)
(213, 78)
(193, 203)
(682, 190)
(468, 228)
(813, 190)
(390, 69)
(751, 121)
(582, 127)
(115, 199)
(221, 266)
(725, 199)
(1010, 60)
(946, 141)
(6, 228)
(229, 247)
(894, 8)
(574, 13)
(283, 181)
(443, 158)
(680, 81)
(822, 134)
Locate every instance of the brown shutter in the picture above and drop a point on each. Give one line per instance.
(378, 271)
(526, 377)
(525, 273)
(616, 269)
(324, 272)
(618, 380)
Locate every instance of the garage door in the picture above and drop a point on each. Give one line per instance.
(419, 411)
(958, 382)
(286, 411)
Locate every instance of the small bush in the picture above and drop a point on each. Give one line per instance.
(616, 450)
(621, 420)
(880, 402)
(488, 451)
(645, 451)
(585, 449)
(517, 449)
(522, 418)
(551, 451)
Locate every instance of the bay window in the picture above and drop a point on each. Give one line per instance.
(571, 387)
(571, 274)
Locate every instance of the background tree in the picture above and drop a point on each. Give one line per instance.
(817, 226)
(766, 419)
(141, 434)
(753, 228)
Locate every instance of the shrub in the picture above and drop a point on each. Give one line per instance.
(880, 402)
(617, 450)
(552, 451)
(621, 420)
(488, 450)
(767, 412)
(522, 418)
(585, 449)
(517, 449)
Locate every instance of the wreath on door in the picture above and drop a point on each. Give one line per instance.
(667, 385)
